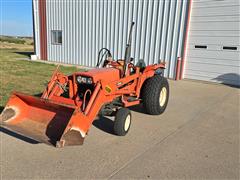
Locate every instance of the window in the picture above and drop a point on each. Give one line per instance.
(57, 37)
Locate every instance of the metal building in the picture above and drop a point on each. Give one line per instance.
(73, 31)
(213, 52)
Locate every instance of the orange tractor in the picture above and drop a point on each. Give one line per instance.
(64, 113)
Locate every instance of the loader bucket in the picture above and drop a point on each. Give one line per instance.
(39, 119)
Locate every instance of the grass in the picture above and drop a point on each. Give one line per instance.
(16, 40)
(12, 40)
(16, 47)
(23, 76)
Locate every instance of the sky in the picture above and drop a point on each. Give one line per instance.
(16, 17)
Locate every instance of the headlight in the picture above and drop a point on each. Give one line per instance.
(84, 80)
(89, 81)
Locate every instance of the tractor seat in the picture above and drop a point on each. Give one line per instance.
(141, 64)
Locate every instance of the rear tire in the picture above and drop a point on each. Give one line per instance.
(122, 122)
(155, 94)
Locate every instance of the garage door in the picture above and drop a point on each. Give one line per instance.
(214, 41)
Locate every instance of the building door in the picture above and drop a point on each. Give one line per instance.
(214, 42)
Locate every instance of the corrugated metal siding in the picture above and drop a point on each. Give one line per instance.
(90, 25)
(214, 25)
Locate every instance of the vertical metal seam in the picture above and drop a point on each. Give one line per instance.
(155, 39)
(146, 30)
(146, 53)
(136, 27)
(107, 27)
(103, 24)
(91, 34)
(158, 51)
(140, 33)
(110, 26)
(117, 49)
(96, 28)
(171, 38)
(87, 33)
(165, 41)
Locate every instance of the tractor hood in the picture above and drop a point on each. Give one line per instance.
(103, 74)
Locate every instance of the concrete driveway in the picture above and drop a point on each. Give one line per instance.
(197, 137)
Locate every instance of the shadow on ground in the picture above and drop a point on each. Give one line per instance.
(105, 124)
(138, 108)
(26, 53)
(229, 79)
(18, 136)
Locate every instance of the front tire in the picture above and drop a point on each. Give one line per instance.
(155, 94)
(122, 122)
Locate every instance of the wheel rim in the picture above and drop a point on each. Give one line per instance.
(127, 122)
(163, 96)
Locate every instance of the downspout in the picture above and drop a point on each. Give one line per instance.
(186, 40)
(43, 29)
(179, 60)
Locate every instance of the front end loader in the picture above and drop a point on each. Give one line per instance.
(64, 113)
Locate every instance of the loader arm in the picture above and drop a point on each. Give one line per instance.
(81, 122)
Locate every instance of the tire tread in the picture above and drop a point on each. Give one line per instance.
(150, 94)
(119, 121)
